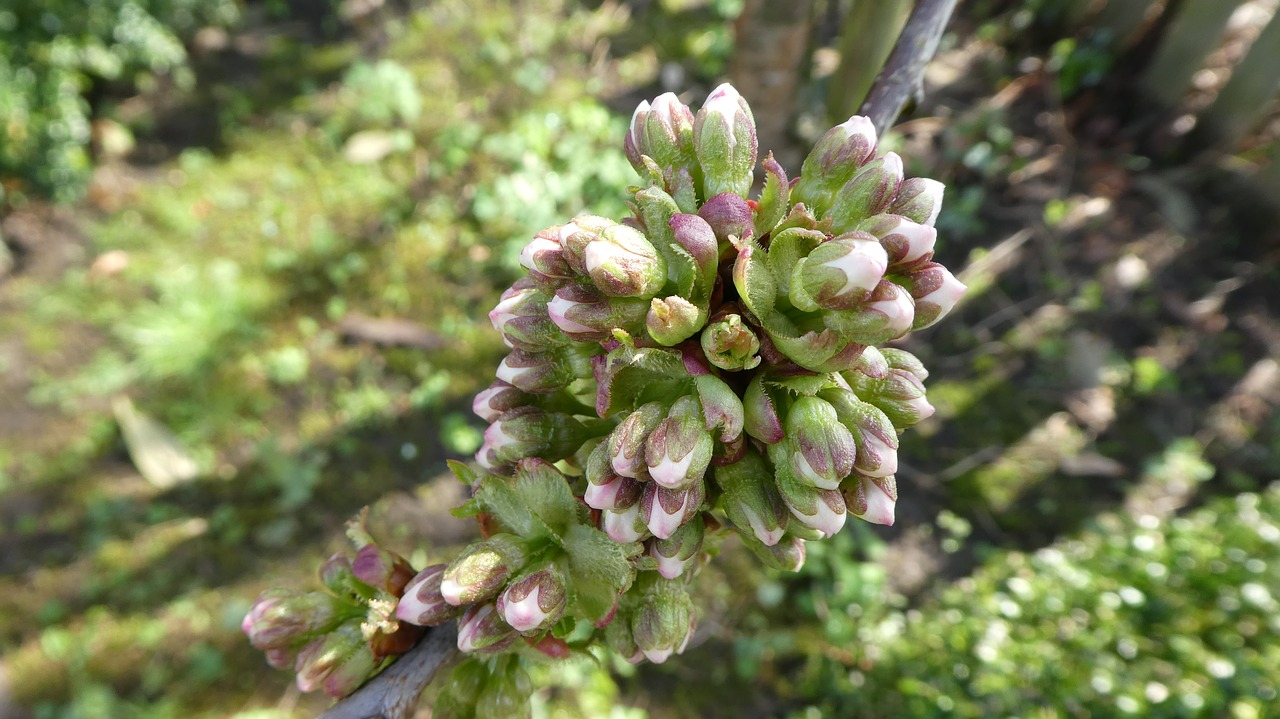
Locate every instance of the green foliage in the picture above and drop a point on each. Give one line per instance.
(53, 52)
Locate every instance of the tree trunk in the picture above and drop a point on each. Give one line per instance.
(772, 39)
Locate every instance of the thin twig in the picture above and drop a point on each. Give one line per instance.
(393, 694)
(902, 75)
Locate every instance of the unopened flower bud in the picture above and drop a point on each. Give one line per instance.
(907, 243)
(834, 159)
(730, 344)
(620, 639)
(919, 199)
(478, 573)
(886, 314)
(724, 138)
(873, 499)
(422, 603)
(760, 410)
(676, 552)
(337, 577)
(672, 320)
(537, 372)
(382, 568)
(626, 444)
(481, 630)
(544, 258)
(621, 262)
(521, 318)
(816, 508)
(663, 621)
(750, 498)
(905, 361)
(530, 432)
(584, 314)
(607, 489)
(536, 599)
(663, 131)
(936, 292)
(900, 395)
(664, 510)
(722, 410)
(281, 619)
(867, 193)
(624, 525)
(339, 662)
(821, 449)
(839, 273)
(498, 398)
(678, 450)
(728, 215)
(872, 431)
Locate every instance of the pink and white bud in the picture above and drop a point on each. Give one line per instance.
(919, 199)
(675, 553)
(624, 525)
(679, 448)
(872, 431)
(898, 310)
(665, 510)
(499, 397)
(481, 630)
(724, 139)
(886, 314)
(867, 193)
(535, 600)
(936, 292)
(626, 444)
(873, 499)
(820, 450)
(907, 243)
(623, 263)
(751, 500)
(478, 573)
(819, 509)
(839, 273)
(616, 493)
(835, 158)
(422, 603)
(663, 620)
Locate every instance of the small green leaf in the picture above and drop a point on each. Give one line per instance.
(599, 568)
(774, 199)
(786, 251)
(463, 472)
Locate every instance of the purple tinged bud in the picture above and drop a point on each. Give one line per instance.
(721, 408)
(521, 318)
(536, 372)
(760, 412)
(907, 243)
(283, 620)
(886, 314)
(676, 552)
(664, 510)
(621, 262)
(873, 499)
(750, 498)
(873, 432)
(351, 672)
(936, 292)
(625, 525)
(905, 361)
(786, 555)
(663, 621)
(728, 215)
(672, 320)
(584, 314)
(663, 131)
(617, 493)
(536, 599)
(730, 344)
(822, 449)
(527, 432)
(899, 394)
(696, 236)
(872, 363)
(544, 255)
(724, 138)
(819, 509)
(834, 159)
(867, 193)
(678, 450)
(481, 630)
(382, 568)
(422, 603)
(498, 399)
(483, 567)
(919, 199)
(342, 654)
(626, 444)
(839, 273)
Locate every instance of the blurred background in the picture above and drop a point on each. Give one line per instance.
(247, 248)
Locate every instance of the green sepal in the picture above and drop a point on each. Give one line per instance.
(463, 472)
(787, 251)
(774, 198)
(600, 569)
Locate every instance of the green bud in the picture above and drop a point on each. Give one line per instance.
(730, 344)
(838, 154)
(663, 621)
(480, 571)
(750, 499)
(867, 193)
(672, 320)
(724, 138)
(676, 552)
(821, 450)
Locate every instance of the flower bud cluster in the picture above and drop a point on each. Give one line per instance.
(710, 364)
(335, 640)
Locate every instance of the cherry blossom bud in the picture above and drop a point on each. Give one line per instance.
(728, 215)
(886, 314)
(338, 662)
(730, 344)
(521, 318)
(834, 159)
(626, 444)
(873, 499)
(664, 510)
(282, 619)
(905, 361)
(382, 568)
(584, 314)
(498, 399)
(899, 394)
(678, 450)
(816, 508)
(672, 320)
(537, 372)
(616, 493)
(481, 630)
(839, 273)
(750, 498)
(936, 292)
(544, 256)
(536, 599)
(907, 243)
(872, 431)
(821, 449)
(531, 432)
(761, 417)
(786, 555)
(676, 552)
(724, 138)
(722, 411)
(867, 193)
(625, 525)
(919, 199)
(478, 573)
(422, 603)
(663, 131)
(621, 261)
(663, 621)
